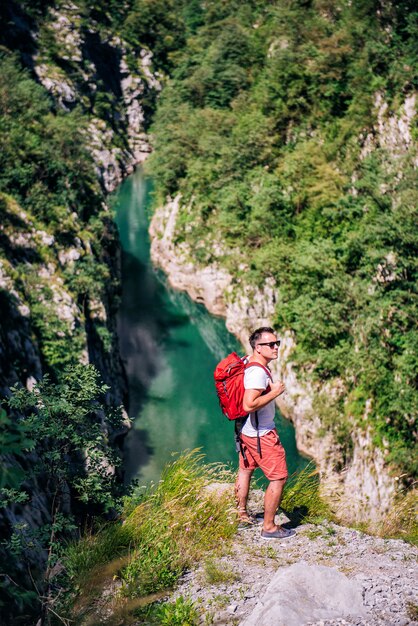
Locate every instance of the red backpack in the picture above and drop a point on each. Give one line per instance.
(229, 382)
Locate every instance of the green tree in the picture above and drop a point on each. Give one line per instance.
(63, 460)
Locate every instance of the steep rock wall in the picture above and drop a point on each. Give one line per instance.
(85, 65)
(44, 314)
(88, 66)
(116, 136)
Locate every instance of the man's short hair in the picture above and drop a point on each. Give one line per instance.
(256, 334)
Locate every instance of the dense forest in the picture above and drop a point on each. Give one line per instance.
(276, 123)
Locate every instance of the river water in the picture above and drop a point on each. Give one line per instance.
(170, 346)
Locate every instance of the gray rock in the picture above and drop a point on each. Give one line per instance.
(304, 593)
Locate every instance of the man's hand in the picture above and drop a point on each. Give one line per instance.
(255, 399)
(278, 388)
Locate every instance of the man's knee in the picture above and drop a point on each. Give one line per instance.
(278, 483)
(246, 471)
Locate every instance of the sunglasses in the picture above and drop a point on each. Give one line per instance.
(270, 344)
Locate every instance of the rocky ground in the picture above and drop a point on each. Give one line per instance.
(343, 577)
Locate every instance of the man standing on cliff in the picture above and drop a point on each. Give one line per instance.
(260, 443)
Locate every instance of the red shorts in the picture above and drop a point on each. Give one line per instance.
(273, 456)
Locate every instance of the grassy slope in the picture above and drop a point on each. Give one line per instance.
(122, 572)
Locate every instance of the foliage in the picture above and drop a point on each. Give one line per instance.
(50, 200)
(267, 129)
(44, 163)
(63, 420)
(412, 610)
(60, 442)
(401, 521)
(156, 24)
(14, 440)
(181, 612)
(217, 572)
(174, 524)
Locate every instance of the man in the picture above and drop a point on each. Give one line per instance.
(260, 443)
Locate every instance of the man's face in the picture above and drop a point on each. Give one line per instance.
(268, 346)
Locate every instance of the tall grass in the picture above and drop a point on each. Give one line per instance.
(301, 500)
(95, 550)
(176, 523)
(303, 503)
(401, 522)
(165, 530)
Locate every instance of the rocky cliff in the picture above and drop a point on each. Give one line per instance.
(325, 575)
(106, 79)
(84, 66)
(71, 103)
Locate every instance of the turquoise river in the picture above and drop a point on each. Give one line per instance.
(170, 346)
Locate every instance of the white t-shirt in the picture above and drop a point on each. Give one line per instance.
(257, 378)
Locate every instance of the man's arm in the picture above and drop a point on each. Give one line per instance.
(253, 400)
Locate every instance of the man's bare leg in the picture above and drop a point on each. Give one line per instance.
(242, 489)
(272, 499)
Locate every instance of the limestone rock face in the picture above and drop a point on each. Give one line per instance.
(91, 68)
(392, 132)
(206, 285)
(117, 141)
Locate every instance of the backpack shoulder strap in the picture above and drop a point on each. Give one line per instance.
(247, 365)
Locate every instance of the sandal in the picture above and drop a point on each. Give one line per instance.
(248, 521)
